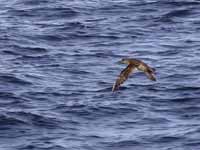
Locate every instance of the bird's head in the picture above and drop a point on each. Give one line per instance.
(124, 61)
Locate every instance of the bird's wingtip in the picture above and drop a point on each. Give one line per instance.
(113, 88)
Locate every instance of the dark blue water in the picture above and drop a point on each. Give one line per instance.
(58, 61)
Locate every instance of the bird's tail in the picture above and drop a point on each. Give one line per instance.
(151, 70)
(150, 74)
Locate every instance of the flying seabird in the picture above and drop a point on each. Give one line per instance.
(132, 65)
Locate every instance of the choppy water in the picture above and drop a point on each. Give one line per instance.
(58, 61)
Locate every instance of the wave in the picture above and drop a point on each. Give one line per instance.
(34, 119)
(43, 12)
(7, 121)
(168, 17)
(14, 80)
(21, 50)
(122, 144)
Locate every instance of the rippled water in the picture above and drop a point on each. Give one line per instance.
(58, 61)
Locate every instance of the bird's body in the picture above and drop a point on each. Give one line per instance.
(132, 65)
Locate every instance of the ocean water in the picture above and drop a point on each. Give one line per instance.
(58, 62)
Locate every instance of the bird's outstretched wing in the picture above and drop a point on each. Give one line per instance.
(123, 76)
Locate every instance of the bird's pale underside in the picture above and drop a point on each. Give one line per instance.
(133, 64)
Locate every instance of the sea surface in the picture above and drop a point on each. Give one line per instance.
(59, 60)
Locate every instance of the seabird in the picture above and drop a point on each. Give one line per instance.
(132, 65)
